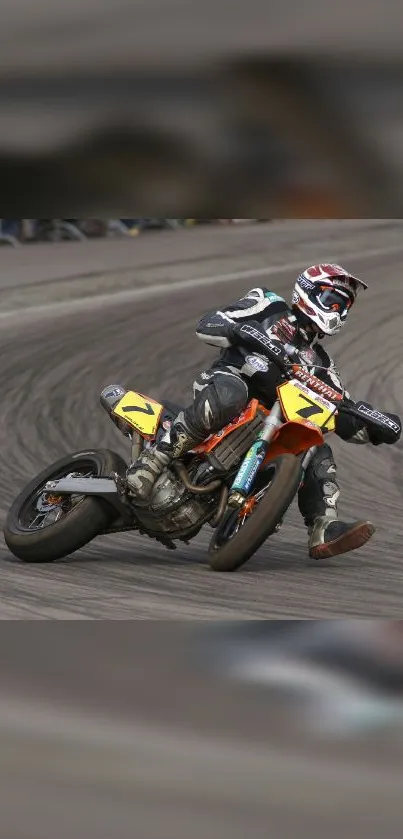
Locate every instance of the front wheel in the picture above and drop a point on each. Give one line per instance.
(241, 532)
(42, 527)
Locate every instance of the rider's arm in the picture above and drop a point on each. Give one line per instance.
(329, 373)
(217, 328)
(376, 427)
(349, 428)
(385, 429)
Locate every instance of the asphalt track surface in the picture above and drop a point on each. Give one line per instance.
(58, 352)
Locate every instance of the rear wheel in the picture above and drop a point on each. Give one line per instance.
(241, 532)
(42, 527)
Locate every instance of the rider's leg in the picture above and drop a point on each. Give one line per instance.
(318, 497)
(219, 396)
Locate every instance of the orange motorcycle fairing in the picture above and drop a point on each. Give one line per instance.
(294, 437)
(245, 417)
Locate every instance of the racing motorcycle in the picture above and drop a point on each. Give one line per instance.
(240, 482)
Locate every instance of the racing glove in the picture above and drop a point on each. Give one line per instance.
(284, 331)
(347, 426)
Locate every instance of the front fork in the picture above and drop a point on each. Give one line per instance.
(255, 457)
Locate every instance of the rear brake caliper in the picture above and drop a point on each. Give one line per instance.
(53, 499)
(47, 502)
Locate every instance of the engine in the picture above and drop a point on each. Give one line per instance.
(172, 508)
(167, 495)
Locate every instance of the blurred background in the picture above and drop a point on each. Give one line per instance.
(180, 730)
(188, 108)
(29, 230)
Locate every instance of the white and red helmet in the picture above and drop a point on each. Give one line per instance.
(324, 294)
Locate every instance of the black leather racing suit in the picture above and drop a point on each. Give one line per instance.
(238, 374)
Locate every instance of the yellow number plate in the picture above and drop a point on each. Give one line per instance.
(301, 403)
(140, 412)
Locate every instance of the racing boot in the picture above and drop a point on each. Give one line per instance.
(318, 497)
(328, 536)
(144, 472)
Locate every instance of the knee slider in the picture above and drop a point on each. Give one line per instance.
(231, 395)
(219, 403)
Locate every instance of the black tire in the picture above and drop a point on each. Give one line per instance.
(232, 554)
(78, 527)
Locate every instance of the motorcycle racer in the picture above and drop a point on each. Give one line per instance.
(322, 299)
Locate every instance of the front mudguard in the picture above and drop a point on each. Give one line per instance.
(294, 438)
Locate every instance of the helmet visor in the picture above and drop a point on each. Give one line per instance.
(335, 301)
